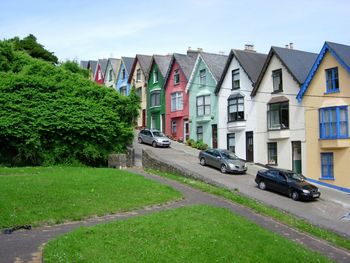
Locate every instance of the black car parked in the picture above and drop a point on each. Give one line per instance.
(288, 183)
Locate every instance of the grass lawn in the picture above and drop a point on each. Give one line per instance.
(190, 234)
(50, 195)
(262, 208)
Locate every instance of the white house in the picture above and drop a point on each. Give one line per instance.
(279, 133)
(236, 113)
(112, 68)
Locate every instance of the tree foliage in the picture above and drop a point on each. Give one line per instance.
(52, 115)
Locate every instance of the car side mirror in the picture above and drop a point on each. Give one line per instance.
(219, 157)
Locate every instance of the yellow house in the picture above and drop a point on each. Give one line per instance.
(325, 96)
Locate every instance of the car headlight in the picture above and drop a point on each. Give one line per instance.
(245, 165)
(306, 191)
(232, 166)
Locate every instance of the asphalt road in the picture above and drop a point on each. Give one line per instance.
(326, 212)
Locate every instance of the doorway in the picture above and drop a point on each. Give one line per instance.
(249, 146)
(214, 132)
(296, 157)
(143, 118)
(186, 131)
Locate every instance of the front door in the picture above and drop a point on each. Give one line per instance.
(249, 146)
(214, 132)
(296, 156)
(186, 131)
(143, 118)
(163, 123)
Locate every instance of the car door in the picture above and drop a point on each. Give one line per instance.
(270, 178)
(148, 137)
(216, 159)
(208, 155)
(282, 183)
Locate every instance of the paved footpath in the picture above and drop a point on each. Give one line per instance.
(326, 212)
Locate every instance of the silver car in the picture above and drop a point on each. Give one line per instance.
(224, 160)
(153, 137)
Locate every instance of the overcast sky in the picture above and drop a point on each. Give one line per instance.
(86, 29)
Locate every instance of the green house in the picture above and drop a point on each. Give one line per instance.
(202, 99)
(155, 92)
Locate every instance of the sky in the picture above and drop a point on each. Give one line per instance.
(86, 29)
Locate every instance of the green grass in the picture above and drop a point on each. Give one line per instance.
(190, 234)
(51, 195)
(263, 209)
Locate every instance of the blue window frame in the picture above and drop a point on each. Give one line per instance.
(332, 81)
(334, 122)
(327, 166)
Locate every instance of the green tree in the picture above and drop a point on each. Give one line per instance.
(73, 66)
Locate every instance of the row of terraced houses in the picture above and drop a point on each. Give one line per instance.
(287, 108)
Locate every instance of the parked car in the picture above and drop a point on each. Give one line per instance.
(288, 183)
(224, 160)
(153, 137)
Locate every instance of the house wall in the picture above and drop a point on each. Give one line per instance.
(99, 75)
(140, 85)
(284, 138)
(123, 82)
(155, 112)
(239, 128)
(313, 99)
(107, 81)
(195, 90)
(179, 116)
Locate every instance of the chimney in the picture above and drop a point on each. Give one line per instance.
(291, 45)
(200, 49)
(221, 52)
(249, 47)
(287, 46)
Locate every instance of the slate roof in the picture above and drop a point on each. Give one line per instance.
(251, 62)
(163, 63)
(145, 65)
(128, 62)
(92, 64)
(340, 52)
(103, 64)
(114, 63)
(186, 63)
(298, 63)
(84, 64)
(215, 62)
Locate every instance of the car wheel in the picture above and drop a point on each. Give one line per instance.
(154, 144)
(139, 140)
(295, 196)
(262, 185)
(202, 161)
(223, 169)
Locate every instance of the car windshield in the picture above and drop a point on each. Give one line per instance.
(158, 134)
(295, 176)
(228, 155)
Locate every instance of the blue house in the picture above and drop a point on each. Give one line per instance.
(122, 85)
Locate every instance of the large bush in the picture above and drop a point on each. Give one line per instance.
(50, 115)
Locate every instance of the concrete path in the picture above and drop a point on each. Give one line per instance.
(325, 212)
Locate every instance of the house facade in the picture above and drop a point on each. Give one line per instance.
(203, 115)
(176, 97)
(122, 84)
(325, 96)
(279, 135)
(138, 80)
(100, 70)
(236, 112)
(155, 92)
(112, 68)
(91, 66)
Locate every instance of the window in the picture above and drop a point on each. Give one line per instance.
(235, 79)
(110, 75)
(99, 75)
(176, 77)
(235, 109)
(203, 105)
(277, 80)
(153, 122)
(155, 76)
(272, 153)
(139, 92)
(176, 101)
(123, 73)
(202, 77)
(138, 75)
(278, 116)
(231, 142)
(332, 81)
(334, 122)
(200, 133)
(155, 99)
(173, 126)
(123, 90)
(327, 167)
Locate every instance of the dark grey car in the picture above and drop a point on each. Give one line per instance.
(153, 137)
(224, 160)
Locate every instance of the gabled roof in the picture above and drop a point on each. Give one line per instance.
(114, 64)
(298, 63)
(340, 52)
(103, 65)
(251, 62)
(128, 63)
(84, 64)
(92, 65)
(186, 64)
(163, 63)
(145, 64)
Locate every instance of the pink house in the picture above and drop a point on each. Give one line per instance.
(100, 70)
(176, 97)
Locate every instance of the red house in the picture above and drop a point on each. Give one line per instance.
(100, 70)
(176, 98)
